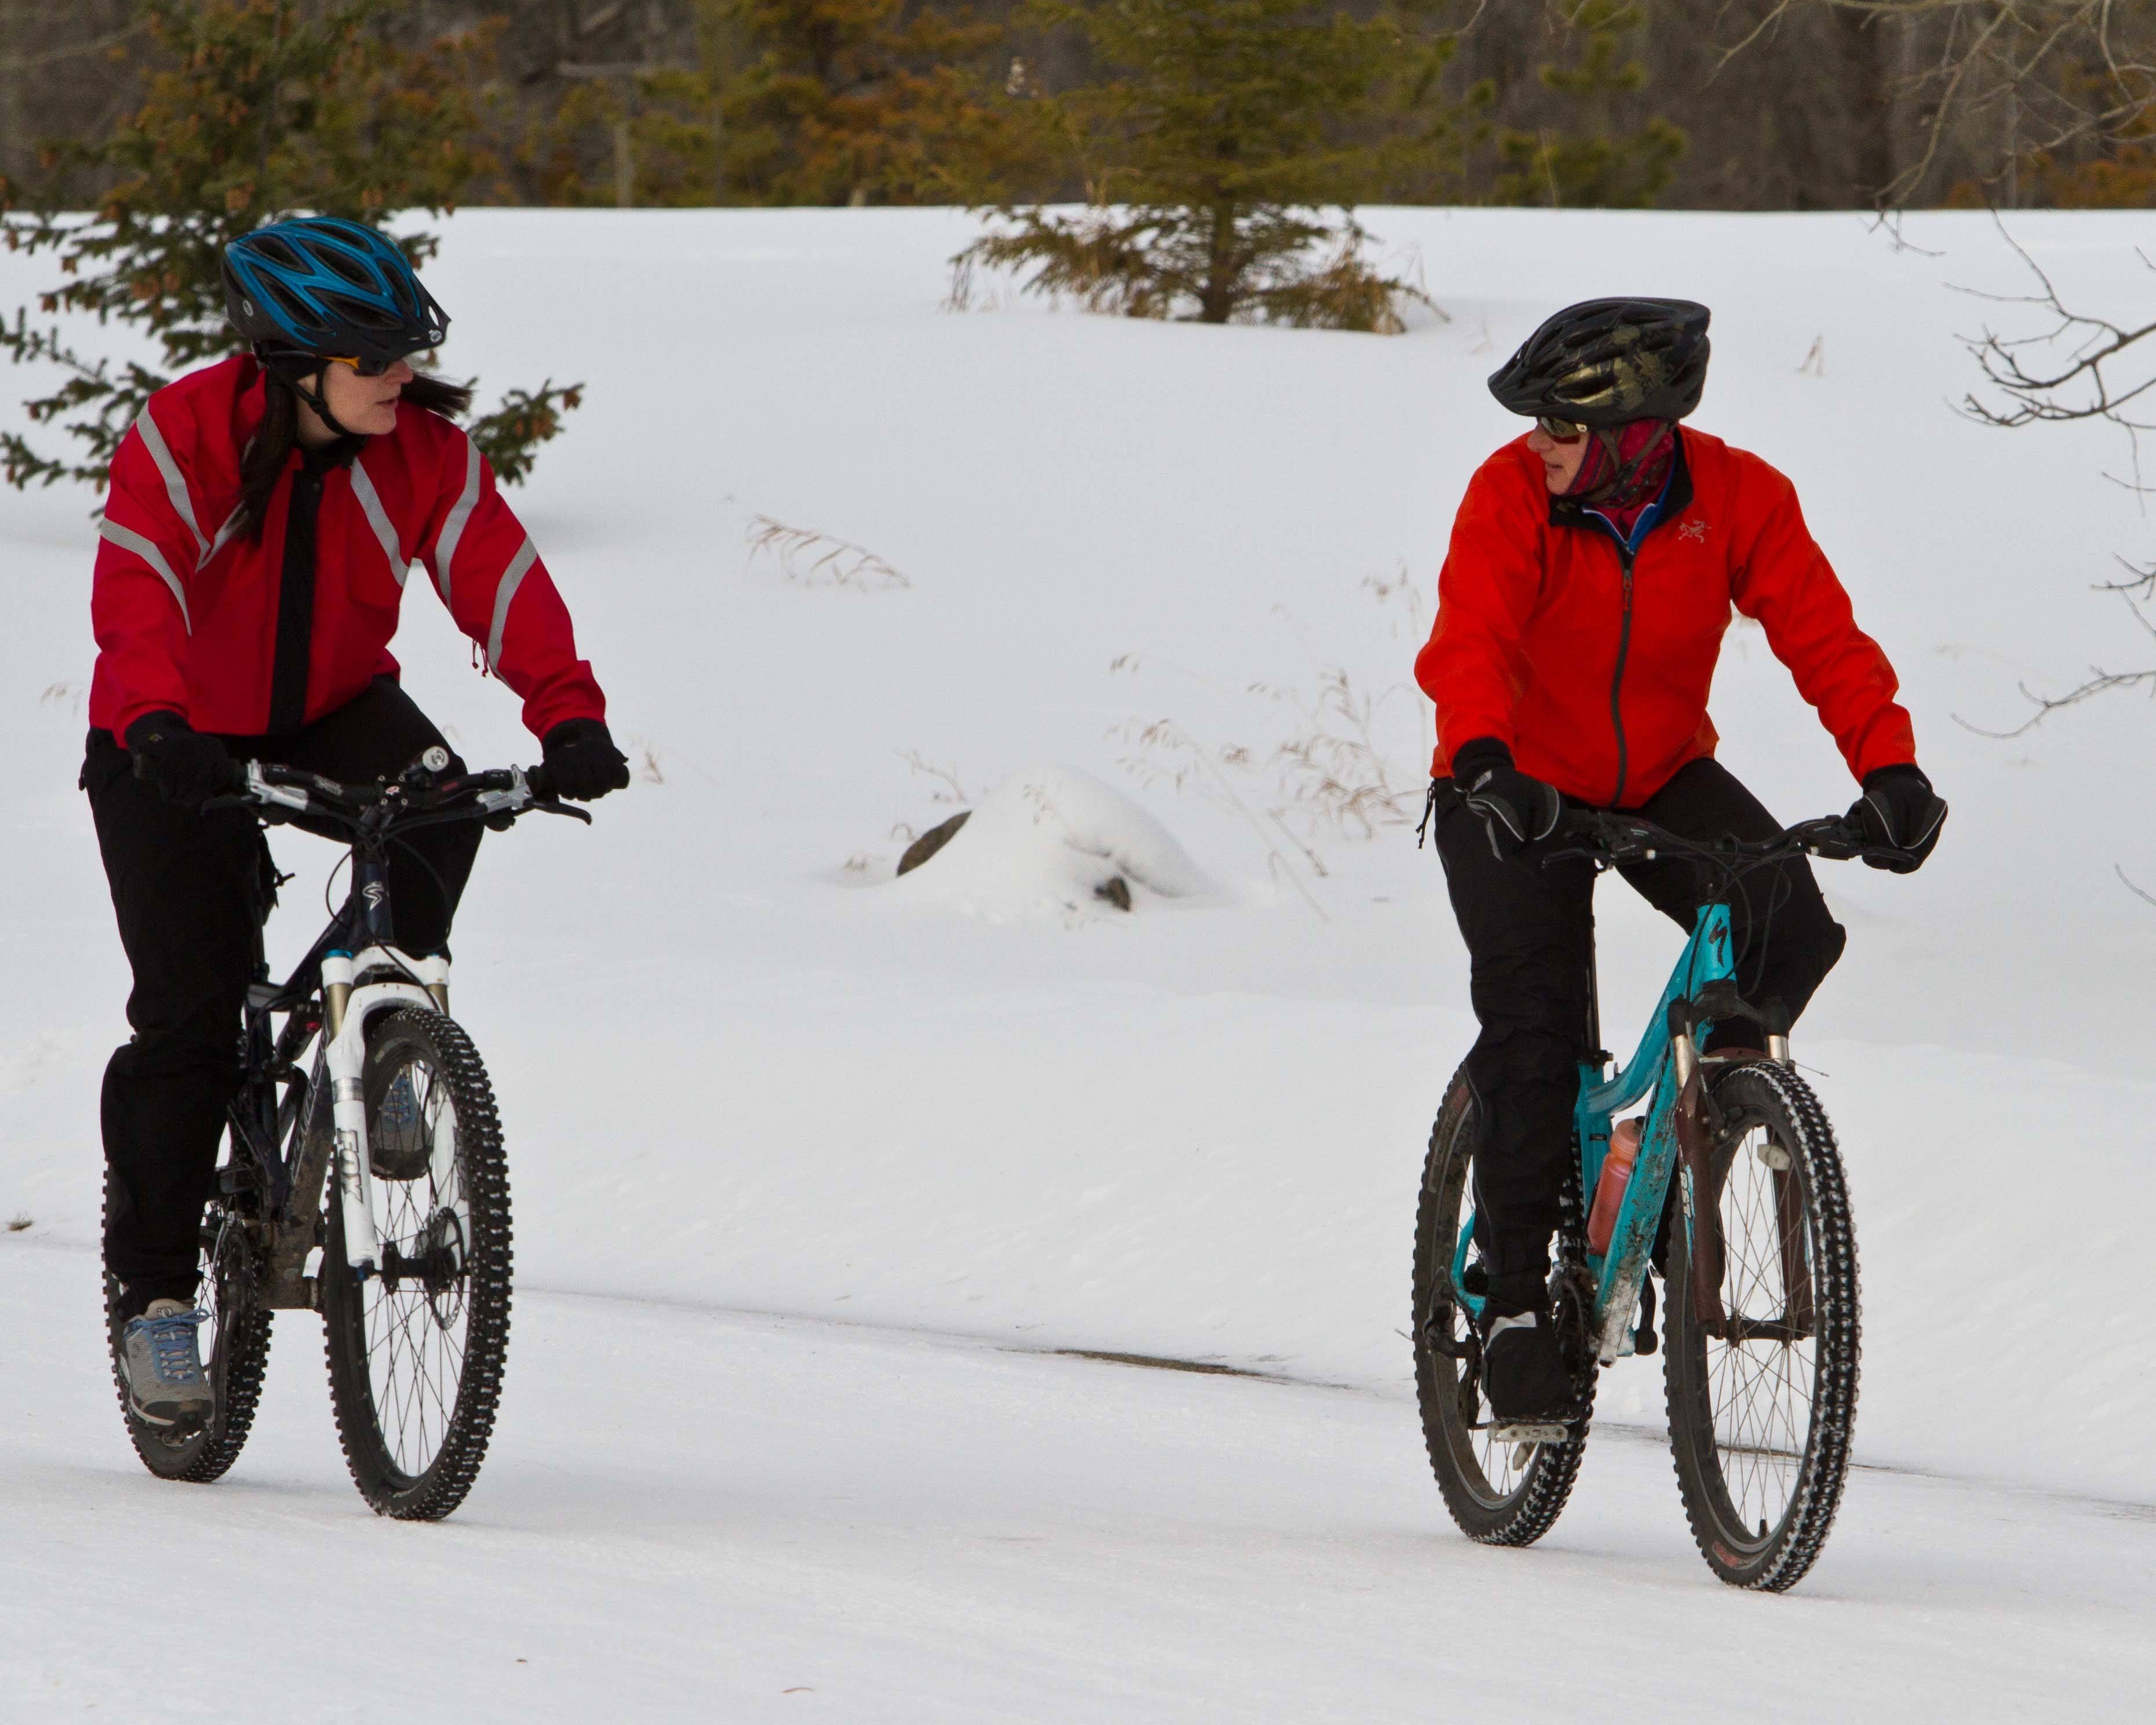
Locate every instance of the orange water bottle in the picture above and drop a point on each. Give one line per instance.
(1610, 1189)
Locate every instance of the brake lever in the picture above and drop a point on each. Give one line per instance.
(1580, 853)
(1832, 841)
(559, 808)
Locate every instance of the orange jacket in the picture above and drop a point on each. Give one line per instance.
(1593, 665)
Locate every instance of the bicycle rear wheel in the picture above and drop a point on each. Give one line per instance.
(1500, 1494)
(416, 1352)
(235, 1350)
(1762, 1361)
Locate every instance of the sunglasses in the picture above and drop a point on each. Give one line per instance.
(365, 367)
(1562, 431)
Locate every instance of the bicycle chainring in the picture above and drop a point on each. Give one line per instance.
(1572, 1285)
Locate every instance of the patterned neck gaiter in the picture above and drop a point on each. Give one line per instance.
(1625, 469)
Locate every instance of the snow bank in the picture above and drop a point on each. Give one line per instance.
(1050, 840)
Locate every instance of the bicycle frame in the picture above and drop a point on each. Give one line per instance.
(1653, 1070)
(354, 973)
(328, 1006)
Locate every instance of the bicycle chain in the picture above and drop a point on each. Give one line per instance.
(1571, 1285)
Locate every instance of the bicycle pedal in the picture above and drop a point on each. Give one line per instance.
(1538, 1431)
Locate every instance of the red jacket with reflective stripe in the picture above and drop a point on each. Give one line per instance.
(185, 604)
(1599, 681)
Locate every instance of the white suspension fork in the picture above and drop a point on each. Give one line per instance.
(348, 1010)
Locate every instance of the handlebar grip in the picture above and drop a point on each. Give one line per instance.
(540, 781)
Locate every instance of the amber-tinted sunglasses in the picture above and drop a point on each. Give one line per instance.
(365, 367)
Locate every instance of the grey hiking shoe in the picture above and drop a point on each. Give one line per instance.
(162, 1358)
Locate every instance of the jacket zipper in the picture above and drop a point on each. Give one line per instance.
(1617, 677)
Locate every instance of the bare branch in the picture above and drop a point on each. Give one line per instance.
(2089, 345)
(2009, 81)
(2136, 890)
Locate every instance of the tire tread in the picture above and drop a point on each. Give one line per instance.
(437, 1493)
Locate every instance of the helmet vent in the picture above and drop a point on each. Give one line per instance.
(319, 284)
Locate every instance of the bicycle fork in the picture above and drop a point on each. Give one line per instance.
(344, 1052)
(347, 1011)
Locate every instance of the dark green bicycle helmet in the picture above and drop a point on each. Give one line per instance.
(1603, 363)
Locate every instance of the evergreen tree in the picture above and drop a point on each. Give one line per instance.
(1593, 168)
(250, 108)
(1215, 140)
(797, 102)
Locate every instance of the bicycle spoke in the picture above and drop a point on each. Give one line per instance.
(415, 1345)
(1760, 1388)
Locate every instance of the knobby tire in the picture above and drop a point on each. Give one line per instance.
(415, 1369)
(235, 1349)
(1521, 1504)
(1762, 1390)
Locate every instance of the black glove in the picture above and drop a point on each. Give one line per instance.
(583, 761)
(1899, 810)
(187, 767)
(1516, 809)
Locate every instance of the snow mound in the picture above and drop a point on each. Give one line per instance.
(1047, 841)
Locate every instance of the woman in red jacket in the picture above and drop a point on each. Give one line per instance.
(1593, 570)
(264, 516)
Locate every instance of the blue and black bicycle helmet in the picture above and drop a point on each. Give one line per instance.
(318, 285)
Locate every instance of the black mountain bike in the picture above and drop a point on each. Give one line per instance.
(369, 1078)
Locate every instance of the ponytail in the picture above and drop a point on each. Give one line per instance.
(262, 464)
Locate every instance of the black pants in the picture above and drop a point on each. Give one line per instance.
(191, 890)
(1530, 935)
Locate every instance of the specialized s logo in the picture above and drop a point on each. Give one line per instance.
(1695, 531)
(373, 892)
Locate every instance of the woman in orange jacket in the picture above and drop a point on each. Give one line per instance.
(1593, 570)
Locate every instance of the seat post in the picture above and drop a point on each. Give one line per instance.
(1594, 1050)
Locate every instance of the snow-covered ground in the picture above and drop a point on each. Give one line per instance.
(862, 1525)
(743, 1072)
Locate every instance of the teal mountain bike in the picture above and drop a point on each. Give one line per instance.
(1736, 1202)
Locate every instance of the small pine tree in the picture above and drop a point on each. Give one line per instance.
(250, 108)
(1592, 168)
(794, 102)
(1214, 143)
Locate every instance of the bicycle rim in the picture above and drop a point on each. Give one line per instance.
(1498, 1493)
(416, 1351)
(1762, 1366)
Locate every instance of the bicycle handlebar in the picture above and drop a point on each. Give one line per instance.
(1606, 837)
(500, 793)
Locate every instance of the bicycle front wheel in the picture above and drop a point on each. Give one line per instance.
(416, 1351)
(1499, 1493)
(1761, 1364)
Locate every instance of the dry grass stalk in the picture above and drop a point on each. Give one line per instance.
(1397, 591)
(951, 791)
(1165, 751)
(813, 559)
(1333, 768)
(1332, 776)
